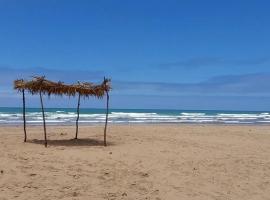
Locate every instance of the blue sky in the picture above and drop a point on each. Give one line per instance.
(160, 54)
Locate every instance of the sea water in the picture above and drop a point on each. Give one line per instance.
(134, 116)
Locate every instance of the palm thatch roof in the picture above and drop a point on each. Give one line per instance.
(40, 84)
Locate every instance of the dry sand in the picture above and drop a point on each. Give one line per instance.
(141, 162)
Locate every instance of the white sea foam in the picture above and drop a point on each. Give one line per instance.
(139, 117)
(192, 114)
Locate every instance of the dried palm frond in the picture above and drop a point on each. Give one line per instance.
(40, 84)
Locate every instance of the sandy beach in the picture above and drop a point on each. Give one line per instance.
(140, 162)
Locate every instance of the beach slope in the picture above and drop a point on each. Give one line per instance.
(140, 162)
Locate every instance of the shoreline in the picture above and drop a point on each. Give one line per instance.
(139, 124)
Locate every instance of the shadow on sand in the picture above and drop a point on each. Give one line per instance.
(71, 142)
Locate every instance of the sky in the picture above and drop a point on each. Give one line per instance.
(173, 54)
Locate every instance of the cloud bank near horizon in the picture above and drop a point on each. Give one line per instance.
(211, 93)
(230, 85)
(241, 85)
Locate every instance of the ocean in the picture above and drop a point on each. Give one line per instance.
(65, 116)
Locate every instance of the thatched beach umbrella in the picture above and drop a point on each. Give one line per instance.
(39, 85)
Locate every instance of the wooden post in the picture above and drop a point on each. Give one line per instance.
(24, 121)
(106, 122)
(44, 123)
(78, 116)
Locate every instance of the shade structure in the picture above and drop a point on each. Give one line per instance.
(40, 85)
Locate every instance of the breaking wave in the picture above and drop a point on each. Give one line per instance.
(68, 117)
